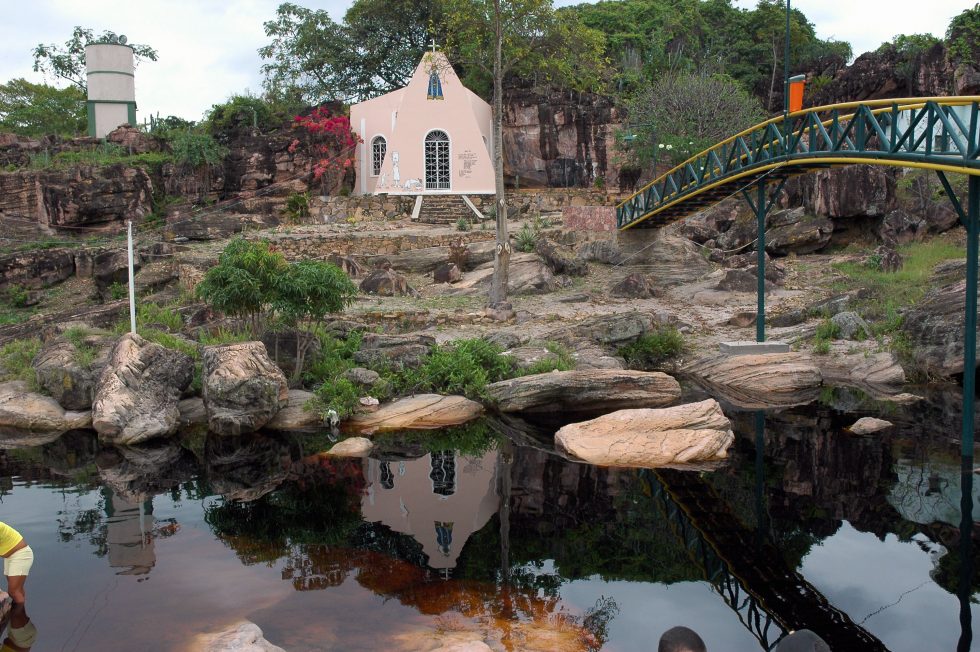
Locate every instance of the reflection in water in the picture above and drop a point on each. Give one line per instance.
(21, 633)
(129, 535)
(434, 502)
(967, 569)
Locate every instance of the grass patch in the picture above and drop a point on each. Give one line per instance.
(223, 336)
(104, 155)
(85, 353)
(154, 314)
(652, 350)
(560, 359)
(462, 367)
(15, 361)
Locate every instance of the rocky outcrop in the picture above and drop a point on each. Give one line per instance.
(136, 395)
(241, 637)
(601, 251)
(850, 191)
(527, 274)
(217, 225)
(869, 425)
(352, 447)
(936, 326)
(761, 380)
(805, 235)
(876, 370)
(295, 417)
(242, 387)
(419, 412)
(634, 286)
(610, 330)
(397, 350)
(69, 370)
(851, 326)
(29, 419)
(586, 390)
(559, 139)
(651, 438)
(36, 269)
(558, 260)
(387, 283)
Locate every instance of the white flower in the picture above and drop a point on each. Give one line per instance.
(661, 145)
(670, 147)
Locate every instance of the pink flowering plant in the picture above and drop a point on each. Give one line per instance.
(330, 144)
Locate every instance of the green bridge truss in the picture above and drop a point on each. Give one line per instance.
(938, 133)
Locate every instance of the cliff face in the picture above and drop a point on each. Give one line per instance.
(560, 139)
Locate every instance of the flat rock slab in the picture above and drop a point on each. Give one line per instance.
(868, 425)
(241, 637)
(294, 417)
(29, 419)
(584, 390)
(419, 412)
(759, 381)
(651, 438)
(748, 347)
(353, 447)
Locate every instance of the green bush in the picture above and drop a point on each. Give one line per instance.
(222, 336)
(238, 115)
(463, 224)
(827, 330)
(526, 238)
(298, 206)
(152, 313)
(195, 148)
(15, 361)
(336, 356)
(559, 360)
(16, 296)
(653, 349)
(463, 367)
(118, 291)
(337, 394)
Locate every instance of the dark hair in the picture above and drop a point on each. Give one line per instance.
(681, 639)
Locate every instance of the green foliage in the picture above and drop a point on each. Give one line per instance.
(560, 359)
(463, 224)
(653, 349)
(39, 110)
(298, 206)
(821, 346)
(193, 148)
(463, 367)
(166, 316)
(681, 114)
(16, 296)
(963, 36)
(526, 238)
(338, 394)
(68, 61)
(373, 51)
(911, 45)
(336, 356)
(222, 336)
(85, 353)
(15, 361)
(118, 291)
(244, 282)
(238, 115)
(102, 155)
(827, 330)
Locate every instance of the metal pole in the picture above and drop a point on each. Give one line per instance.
(760, 473)
(964, 590)
(760, 311)
(970, 325)
(132, 286)
(786, 85)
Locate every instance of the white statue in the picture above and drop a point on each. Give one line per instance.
(395, 174)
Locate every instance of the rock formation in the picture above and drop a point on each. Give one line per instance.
(586, 390)
(760, 380)
(136, 395)
(242, 387)
(29, 419)
(651, 438)
(419, 412)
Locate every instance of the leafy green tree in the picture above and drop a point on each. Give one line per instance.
(681, 114)
(525, 38)
(244, 282)
(963, 36)
(375, 50)
(68, 61)
(305, 294)
(238, 115)
(39, 109)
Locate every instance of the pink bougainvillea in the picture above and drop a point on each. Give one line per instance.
(330, 144)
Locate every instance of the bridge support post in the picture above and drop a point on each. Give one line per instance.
(760, 311)
(970, 321)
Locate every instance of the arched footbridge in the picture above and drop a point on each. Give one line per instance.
(941, 134)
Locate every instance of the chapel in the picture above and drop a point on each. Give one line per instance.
(431, 137)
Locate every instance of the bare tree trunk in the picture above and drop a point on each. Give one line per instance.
(772, 78)
(501, 260)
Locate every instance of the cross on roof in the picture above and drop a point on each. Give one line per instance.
(433, 46)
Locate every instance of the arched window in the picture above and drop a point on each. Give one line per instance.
(437, 160)
(378, 147)
(435, 86)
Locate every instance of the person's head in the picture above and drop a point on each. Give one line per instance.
(681, 639)
(803, 641)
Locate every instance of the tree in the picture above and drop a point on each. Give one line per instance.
(375, 50)
(681, 114)
(68, 61)
(330, 144)
(38, 109)
(496, 38)
(308, 292)
(963, 37)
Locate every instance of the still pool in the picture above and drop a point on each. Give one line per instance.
(483, 533)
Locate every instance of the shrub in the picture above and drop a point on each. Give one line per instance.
(463, 224)
(15, 361)
(653, 349)
(222, 336)
(827, 330)
(526, 238)
(166, 316)
(559, 360)
(338, 394)
(336, 356)
(194, 148)
(298, 206)
(118, 291)
(463, 367)
(16, 296)
(238, 115)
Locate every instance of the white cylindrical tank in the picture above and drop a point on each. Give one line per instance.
(111, 87)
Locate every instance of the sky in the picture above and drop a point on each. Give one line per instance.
(208, 48)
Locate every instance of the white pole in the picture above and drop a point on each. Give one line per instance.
(132, 286)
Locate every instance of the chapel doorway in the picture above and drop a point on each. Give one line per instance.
(437, 160)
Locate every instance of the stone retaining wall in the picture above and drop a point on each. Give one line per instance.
(600, 219)
(297, 246)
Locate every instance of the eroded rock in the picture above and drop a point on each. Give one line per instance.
(136, 395)
(241, 637)
(242, 387)
(651, 438)
(352, 447)
(584, 390)
(419, 412)
(68, 370)
(760, 380)
(869, 425)
(29, 419)
(397, 350)
(295, 417)
(387, 283)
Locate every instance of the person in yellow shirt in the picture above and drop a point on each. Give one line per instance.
(17, 560)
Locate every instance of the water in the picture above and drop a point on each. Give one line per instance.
(145, 549)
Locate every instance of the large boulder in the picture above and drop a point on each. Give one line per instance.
(611, 330)
(29, 419)
(136, 395)
(651, 438)
(759, 380)
(874, 370)
(395, 350)
(854, 190)
(242, 387)
(804, 236)
(559, 261)
(634, 286)
(900, 227)
(584, 390)
(419, 412)
(295, 417)
(36, 269)
(387, 283)
(68, 368)
(851, 326)
(526, 274)
(601, 251)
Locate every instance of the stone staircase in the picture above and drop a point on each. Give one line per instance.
(444, 209)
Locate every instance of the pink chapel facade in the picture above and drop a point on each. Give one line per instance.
(431, 137)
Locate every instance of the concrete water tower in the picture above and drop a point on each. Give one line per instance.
(109, 66)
